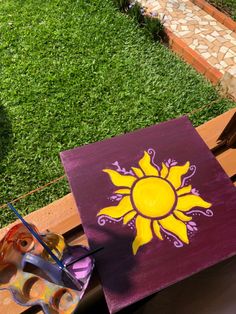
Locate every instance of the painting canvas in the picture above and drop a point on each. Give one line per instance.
(158, 202)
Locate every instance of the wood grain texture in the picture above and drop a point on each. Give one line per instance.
(59, 216)
(211, 130)
(62, 215)
(228, 161)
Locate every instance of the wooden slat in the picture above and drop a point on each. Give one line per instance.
(62, 215)
(212, 129)
(59, 216)
(228, 161)
(210, 132)
(7, 306)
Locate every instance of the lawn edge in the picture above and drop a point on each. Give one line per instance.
(177, 45)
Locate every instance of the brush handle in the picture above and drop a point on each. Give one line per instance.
(84, 256)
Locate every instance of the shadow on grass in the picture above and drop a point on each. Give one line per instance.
(5, 134)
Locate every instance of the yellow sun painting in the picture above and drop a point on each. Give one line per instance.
(155, 199)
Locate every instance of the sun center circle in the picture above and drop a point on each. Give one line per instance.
(153, 197)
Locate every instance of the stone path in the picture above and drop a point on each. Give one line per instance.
(199, 30)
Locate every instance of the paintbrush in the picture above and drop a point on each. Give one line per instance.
(84, 256)
(49, 251)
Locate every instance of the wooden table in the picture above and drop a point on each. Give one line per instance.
(211, 291)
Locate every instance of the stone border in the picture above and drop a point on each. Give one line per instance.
(218, 15)
(193, 58)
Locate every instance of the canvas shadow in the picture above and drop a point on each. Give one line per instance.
(5, 134)
(209, 292)
(117, 247)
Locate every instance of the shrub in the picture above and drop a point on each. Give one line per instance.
(136, 12)
(122, 4)
(152, 25)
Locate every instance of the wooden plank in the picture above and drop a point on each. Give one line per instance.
(7, 306)
(62, 215)
(227, 160)
(211, 130)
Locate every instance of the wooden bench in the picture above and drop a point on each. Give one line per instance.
(208, 290)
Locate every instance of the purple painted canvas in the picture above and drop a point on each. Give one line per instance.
(158, 202)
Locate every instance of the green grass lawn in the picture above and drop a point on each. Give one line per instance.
(75, 72)
(228, 6)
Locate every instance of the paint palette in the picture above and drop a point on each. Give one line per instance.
(33, 279)
(28, 289)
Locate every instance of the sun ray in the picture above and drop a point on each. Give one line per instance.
(184, 190)
(157, 229)
(118, 211)
(119, 179)
(182, 216)
(175, 226)
(129, 216)
(122, 191)
(144, 233)
(164, 170)
(138, 172)
(176, 173)
(147, 167)
(187, 202)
